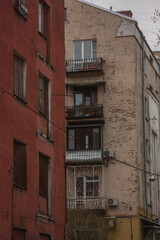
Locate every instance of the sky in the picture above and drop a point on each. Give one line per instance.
(142, 11)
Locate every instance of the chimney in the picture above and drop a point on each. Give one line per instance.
(128, 13)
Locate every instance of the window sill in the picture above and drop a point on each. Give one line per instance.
(20, 100)
(18, 187)
(41, 34)
(42, 58)
(43, 136)
(44, 218)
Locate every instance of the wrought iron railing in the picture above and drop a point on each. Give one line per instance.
(84, 111)
(84, 65)
(87, 203)
(84, 155)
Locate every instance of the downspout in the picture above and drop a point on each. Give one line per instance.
(144, 133)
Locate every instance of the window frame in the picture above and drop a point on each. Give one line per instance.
(20, 91)
(81, 133)
(92, 91)
(43, 18)
(43, 95)
(42, 192)
(17, 183)
(82, 42)
(85, 182)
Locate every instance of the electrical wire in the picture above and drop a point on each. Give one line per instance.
(60, 128)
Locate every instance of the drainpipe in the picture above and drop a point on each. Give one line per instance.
(144, 134)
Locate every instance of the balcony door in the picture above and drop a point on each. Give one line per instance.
(84, 98)
(84, 51)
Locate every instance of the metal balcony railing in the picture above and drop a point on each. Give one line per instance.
(86, 203)
(84, 155)
(84, 111)
(84, 65)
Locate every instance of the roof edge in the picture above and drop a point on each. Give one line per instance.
(106, 10)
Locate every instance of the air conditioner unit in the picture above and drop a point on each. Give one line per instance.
(109, 153)
(112, 202)
(20, 7)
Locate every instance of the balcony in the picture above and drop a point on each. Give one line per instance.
(77, 156)
(84, 112)
(86, 203)
(84, 67)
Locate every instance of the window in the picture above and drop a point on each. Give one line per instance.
(65, 14)
(156, 82)
(86, 49)
(20, 164)
(87, 187)
(147, 150)
(18, 2)
(147, 108)
(85, 96)
(44, 237)
(18, 234)
(43, 175)
(43, 19)
(84, 138)
(43, 95)
(20, 78)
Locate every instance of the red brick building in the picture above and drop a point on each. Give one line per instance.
(32, 142)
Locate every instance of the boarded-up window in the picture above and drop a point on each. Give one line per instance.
(20, 164)
(43, 175)
(44, 237)
(18, 234)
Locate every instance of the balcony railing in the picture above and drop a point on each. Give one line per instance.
(84, 155)
(87, 203)
(83, 111)
(81, 66)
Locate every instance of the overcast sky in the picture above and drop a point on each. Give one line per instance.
(142, 11)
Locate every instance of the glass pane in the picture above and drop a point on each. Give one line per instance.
(15, 64)
(71, 139)
(94, 46)
(77, 50)
(40, 18)
(40, 101)
(87, 49)
(96, 138)
(87, 100)
(20, 85)
(78, 99)
(86, 142)
(16, 83)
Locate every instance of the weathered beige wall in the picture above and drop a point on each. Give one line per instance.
(121, 99)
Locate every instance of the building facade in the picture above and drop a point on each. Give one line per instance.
(112, 120)
(32, 172)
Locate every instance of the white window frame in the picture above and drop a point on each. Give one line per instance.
(82, 47)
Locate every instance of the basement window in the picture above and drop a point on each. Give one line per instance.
(20, 176)
(20, 78)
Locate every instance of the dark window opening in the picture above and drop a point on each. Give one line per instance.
(20, 176)
(84, 138)
(43, 175)
(65, 14)
(45, 237)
